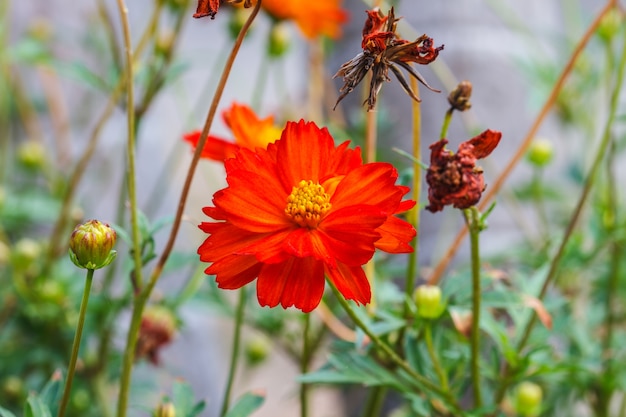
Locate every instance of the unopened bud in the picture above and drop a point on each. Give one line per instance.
(540, 152)
(528, 396)
(164, 43)
(257, 349)
(91, 245)
(610, 25)
(165, 409)
(31, 154)
(278, 40)
(428, 301)
(25, 253)
(459, 98)
(238, 18)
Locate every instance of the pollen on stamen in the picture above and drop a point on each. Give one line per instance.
(307, 203)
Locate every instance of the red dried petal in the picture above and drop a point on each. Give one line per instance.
(484, 143)
(207, 8)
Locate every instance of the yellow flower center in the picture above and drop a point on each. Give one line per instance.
(307, 203)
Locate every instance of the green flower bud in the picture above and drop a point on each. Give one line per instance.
(238, 18)
(428, 301)
(256, 350)
(12, 388)
(278, 40)
(164, 43)
(610, 25)
(25, 253)
(165, 409)
(5, 253)
(540, 152)
(528, 396)
(91, 245)
(32, 154)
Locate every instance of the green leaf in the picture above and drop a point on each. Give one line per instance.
(35, 407)
(6, 413)
(184, 401)
(246, 405)
(51, 392)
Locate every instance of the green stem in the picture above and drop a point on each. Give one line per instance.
(446, 123)
(428, 338)
(234, 359)
(413, 215)
(420, 380)
(375, 402)
(472, 218)
(305, 359)
(76, 345)
(589, 182)
(130, 144)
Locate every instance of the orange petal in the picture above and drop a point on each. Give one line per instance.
(485, 143)
(297, 282)
(215, 148)
(351, 283)
(395, 236)
(234, 271)
(249, 130)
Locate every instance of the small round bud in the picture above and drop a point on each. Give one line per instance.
(164, 43)
(428, 301)
(5, 253)
(31, 154)
(610, 25)
(91, 245)
(165, 409)
(81, 400)
(12, 387)
(25, 253)
(540, 152)
(528, 396)
(279, 41)
(40, 29)
(238, 18)
(256, 350)
(459, 98)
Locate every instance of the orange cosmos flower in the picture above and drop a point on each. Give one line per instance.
(249, 131)
(314, 18)
(298, 211)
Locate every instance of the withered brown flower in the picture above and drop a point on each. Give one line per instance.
(210, 7)
(384, 50)
(454, 178)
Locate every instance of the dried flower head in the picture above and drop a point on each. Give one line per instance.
(158, 326)
(210, 7)
(384, 50)
(459, 98)
(454, 178)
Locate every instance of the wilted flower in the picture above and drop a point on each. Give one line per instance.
(91, 245)
(384, 50)
(157, 329)
(298, 211)
(454, 178)
(210, 7)
(249, 131)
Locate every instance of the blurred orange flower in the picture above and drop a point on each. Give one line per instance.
(249, 132)
(314, 18)
(298, 211)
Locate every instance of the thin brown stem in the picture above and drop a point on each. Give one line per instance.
(521, 150)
